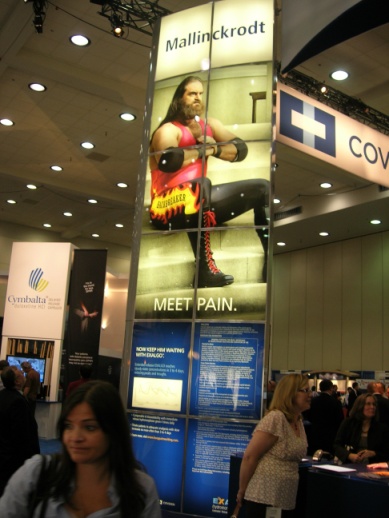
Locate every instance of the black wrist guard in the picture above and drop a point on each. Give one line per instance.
(171, 160)
(241, 149)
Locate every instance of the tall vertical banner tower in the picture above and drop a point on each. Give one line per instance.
(197, 308)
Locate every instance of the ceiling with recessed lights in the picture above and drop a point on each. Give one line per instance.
(84, 92)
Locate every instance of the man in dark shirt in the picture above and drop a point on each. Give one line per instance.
(325, 416)
(18, 429)
(354, 393)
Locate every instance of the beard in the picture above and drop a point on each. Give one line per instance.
(189, 111)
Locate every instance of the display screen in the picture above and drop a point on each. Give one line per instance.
(37, 364)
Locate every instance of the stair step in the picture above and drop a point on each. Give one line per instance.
(245, 265)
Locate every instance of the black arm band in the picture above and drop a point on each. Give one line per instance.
(218, 152)
(241, 149)
(171, 160)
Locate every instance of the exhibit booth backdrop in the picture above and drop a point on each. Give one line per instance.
(53, 319)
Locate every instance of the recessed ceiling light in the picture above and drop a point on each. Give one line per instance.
(119, 225)
(6, 122)
(11, 202)
(129, 117)
(47, 225)
(87, 145)
(31, 186)
(324, 234)
(37, 87)
(276, 200)
(79, 40)
(91, 200)
(339, 75)
(95, 235)
(56, 168)
(117, 28)
(281, 243)
(68, 214)
(122, 185)
(375, 222)
(326, 185)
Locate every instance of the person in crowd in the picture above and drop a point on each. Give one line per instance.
(387, 392)
(18, 429)
(361, 438)
(336, 393)
(32, 385)
(314, 392)
(180, 190)
(353, 396)
(269, 470)
(378, 390)
(95, 474)
(3, 365)
(345, 401)
(20, 380)
(325, 416)
(85, 375)
(346, 397)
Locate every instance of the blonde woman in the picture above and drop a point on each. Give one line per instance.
(269, 469)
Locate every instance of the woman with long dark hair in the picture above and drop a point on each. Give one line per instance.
(362, 438)
(96, 472)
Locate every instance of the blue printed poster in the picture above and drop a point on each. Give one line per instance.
(210, 446)
(227, 370)
(158, 443)
(159, 366)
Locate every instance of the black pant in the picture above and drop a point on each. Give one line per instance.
(227, 201)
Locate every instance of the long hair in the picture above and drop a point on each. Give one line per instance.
(356, 411)
(285, 394)
(174, 110)
(105, 402)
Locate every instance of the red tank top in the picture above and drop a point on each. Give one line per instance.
(161, 182)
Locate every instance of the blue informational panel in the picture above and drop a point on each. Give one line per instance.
(159, 444)
(209, 448)
(227, 370)
(159, 366)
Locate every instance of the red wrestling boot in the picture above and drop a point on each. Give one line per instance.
(209, 274)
